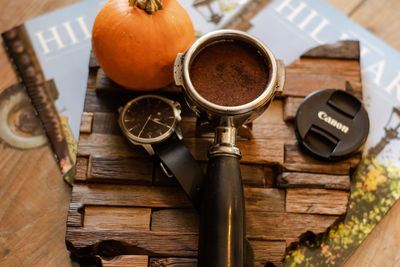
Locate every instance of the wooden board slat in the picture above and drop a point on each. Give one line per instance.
(264, 199)
(81, 168)
(312, 180)
(126, 260)
(117, 218)
(105, 102)
(316, 201)
(347, 49)
(298, 85)
(106, 123)
(133, 242)
(107, 145)
(348, 69)
(114, 169)
(130, 195)
(254, 151)
(175, 220)
(296, 160)
(173, 262)
(290, 107)
(255, 175)
(104, 83)
(86, 122)
(271, 116)
(267, 251)
(282, 226)
(75, 215)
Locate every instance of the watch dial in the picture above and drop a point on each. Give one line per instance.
(149, 118)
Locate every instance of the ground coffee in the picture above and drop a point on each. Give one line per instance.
(229, 73)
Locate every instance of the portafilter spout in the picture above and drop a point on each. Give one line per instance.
(222, 214)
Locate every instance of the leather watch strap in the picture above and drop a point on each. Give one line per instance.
(175, 156)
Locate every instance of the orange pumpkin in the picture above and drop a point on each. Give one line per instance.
(136, 43)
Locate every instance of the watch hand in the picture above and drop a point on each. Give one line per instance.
(144, 126)
(160, 123)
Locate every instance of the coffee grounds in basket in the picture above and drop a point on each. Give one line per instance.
(229, 73)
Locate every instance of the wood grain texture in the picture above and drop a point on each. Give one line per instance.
(117, 218)
(381, 18)
(175, 220)
(264, 199)
(312, 180)
(81, 168)
(132, 242)
(316, 201)
(30, 180)
(120, 170)
(290, 107)
(345, 6)
(86, 122)
(263, 251)
(106, 145)
(267, 251)
(300, 85)
(106, 123)
(126, 260)
(173, 262)
(75, 215)
(348, 69)
(130, 195)
(254, 151)
(282, 226)
(346, 49)
(297, 161)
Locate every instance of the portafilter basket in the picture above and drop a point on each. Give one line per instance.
(222, 221)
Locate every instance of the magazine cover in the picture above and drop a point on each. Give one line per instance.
(46, 52)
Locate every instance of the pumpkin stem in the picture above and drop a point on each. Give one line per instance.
(150, 6)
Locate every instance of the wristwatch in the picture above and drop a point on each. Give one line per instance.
(152, 122)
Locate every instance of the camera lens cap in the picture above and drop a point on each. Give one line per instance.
(331, 124)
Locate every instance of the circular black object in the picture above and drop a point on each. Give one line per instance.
(331, 124)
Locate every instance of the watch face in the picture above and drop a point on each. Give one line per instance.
(148, 119)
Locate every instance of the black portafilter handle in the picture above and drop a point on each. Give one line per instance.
(222, 212)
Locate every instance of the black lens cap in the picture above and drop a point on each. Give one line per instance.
(331, 124)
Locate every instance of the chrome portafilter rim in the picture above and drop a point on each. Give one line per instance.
(223, 36)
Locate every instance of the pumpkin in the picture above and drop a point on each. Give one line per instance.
(136, 42)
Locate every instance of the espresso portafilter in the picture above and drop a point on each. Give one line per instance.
(222, 214)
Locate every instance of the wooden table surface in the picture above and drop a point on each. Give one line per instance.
(34, 199)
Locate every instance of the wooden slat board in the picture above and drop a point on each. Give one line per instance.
(122, 204)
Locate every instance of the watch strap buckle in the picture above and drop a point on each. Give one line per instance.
(165, 170)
